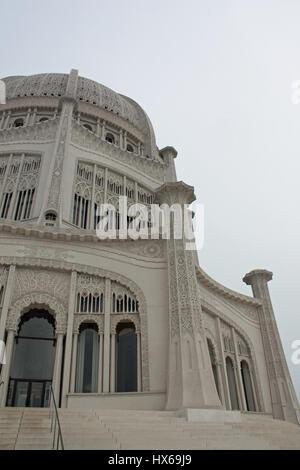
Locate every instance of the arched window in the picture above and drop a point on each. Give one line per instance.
(126, 358)
(87, 359)
(247, 384)
(129, 148)
(110, 138)
(232, 384)
(33, 361)
(88, 127)
(212, 356)
(19, 122)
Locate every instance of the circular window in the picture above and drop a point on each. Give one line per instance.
(129, 148)
(43, 119)
(88, 127)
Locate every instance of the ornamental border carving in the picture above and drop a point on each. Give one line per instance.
(80, 318)
(38, 300)
(131, 285)
(132, 317)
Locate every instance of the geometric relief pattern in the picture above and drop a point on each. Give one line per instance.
(40, 288)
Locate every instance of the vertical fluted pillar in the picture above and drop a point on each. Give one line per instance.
(283, 397)
(57, 366)
(69, 337)
(6, 300)
(6, 367)
(138, 357)
(100, 363)
(106, 343)
(112, 362)
(74, 362)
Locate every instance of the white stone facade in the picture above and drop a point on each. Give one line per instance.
(68, 144)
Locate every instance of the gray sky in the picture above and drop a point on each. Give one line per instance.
(215, 78)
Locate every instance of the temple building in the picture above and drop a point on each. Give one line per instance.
(116, 323)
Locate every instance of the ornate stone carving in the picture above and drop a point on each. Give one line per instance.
(83, 138)
(53, 283)
(130, 317)
(43, 131)
(88, 318)
(38, 300)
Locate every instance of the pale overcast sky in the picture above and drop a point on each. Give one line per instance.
(215, 78)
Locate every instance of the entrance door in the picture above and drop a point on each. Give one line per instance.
(29, 393)
(33, 361)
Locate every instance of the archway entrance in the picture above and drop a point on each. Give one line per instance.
(126, 358)
(33, 361)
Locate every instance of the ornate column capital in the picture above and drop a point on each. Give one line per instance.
(168, 153)
(257, 276)
(175, 193)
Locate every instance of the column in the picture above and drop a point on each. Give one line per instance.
(227, 402)
(284, 405)
(112, 362)
(6, 367)
(27, 120)
(220, 382)
(2, 120)
(240, 386)
(121, 139)
(7, 120)
(100, 365)
(57, 367)
(103, 130)
(106, 342)
(125, 140)
(139, 368)
(68, 347)
(74, 362)
(98, 129)
(191, 384)
(6, 300)
(33, 116)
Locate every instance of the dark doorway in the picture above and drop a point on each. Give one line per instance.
(33, 361)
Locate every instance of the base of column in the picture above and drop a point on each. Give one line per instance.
(210, 415)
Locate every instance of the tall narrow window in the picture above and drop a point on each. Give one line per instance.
(247, 384)
(87, 359)
(232, 384)
(126, 358)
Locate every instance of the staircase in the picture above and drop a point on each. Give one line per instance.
(29, 428)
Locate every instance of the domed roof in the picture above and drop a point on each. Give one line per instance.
(55, 84)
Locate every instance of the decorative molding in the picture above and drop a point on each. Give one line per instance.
(43, 131)
(225, 291)
(131, 317)
(83, 138)
(80, 318)
(38, 300)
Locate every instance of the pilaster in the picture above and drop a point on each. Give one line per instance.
(190, 382)
(284, 400)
